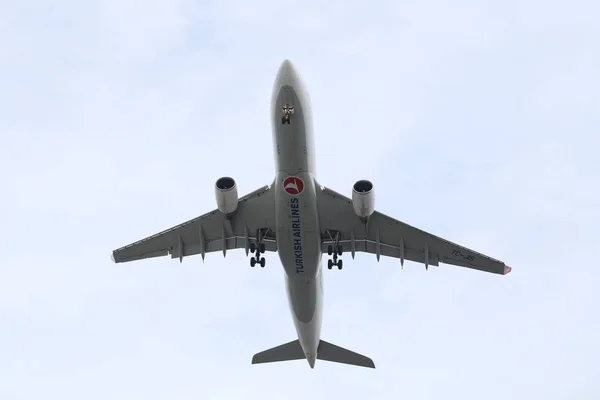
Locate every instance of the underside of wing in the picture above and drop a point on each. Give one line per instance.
(252, 224)
(384, 236)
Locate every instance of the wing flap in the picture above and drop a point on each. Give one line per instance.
(388, 250)
(235, 242)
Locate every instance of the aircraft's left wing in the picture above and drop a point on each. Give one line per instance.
(386, 236)
(253, 221)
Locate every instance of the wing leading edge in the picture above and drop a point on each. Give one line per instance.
(385, 236)
(253, 221)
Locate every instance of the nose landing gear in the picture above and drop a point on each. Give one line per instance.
(288, 111)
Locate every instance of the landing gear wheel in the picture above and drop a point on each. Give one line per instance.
(262, 247)
(340, 264)
(329, 250)
(262, 262)
(339, 250)
(252, 262)
(252, 247)
(329, 264)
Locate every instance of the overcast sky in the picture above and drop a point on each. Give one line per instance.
(478, 121)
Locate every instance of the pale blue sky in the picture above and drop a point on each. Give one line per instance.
(476, 120)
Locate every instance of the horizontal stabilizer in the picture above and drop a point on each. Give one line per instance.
(285, 352)
(333, 353)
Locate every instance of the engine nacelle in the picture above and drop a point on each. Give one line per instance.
(363, 198)
(227, 195)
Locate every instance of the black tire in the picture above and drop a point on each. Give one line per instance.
(340, 264)
(329, 264)
(262, 262)
(252, 262)
(329, 250)
(262, 247)
(339, 250)
(252, 248)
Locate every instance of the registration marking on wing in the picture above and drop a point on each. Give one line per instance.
(458, 253)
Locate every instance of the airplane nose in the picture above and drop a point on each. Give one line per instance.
(287, 63)
(287, 67)
(287, 75)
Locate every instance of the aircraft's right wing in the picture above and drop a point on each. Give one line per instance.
(254, 217)
(386, 236)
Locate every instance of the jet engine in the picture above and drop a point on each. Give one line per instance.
(227, 195)
(363, 198)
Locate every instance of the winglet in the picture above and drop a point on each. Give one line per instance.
(507, 269)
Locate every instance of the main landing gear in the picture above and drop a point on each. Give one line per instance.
(335, 261)
(258, 250)
(335, 250)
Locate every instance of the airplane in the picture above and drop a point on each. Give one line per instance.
(300, 219)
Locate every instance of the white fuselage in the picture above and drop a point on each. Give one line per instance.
(297, 218)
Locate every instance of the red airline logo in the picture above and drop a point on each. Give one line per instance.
(293, 185)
